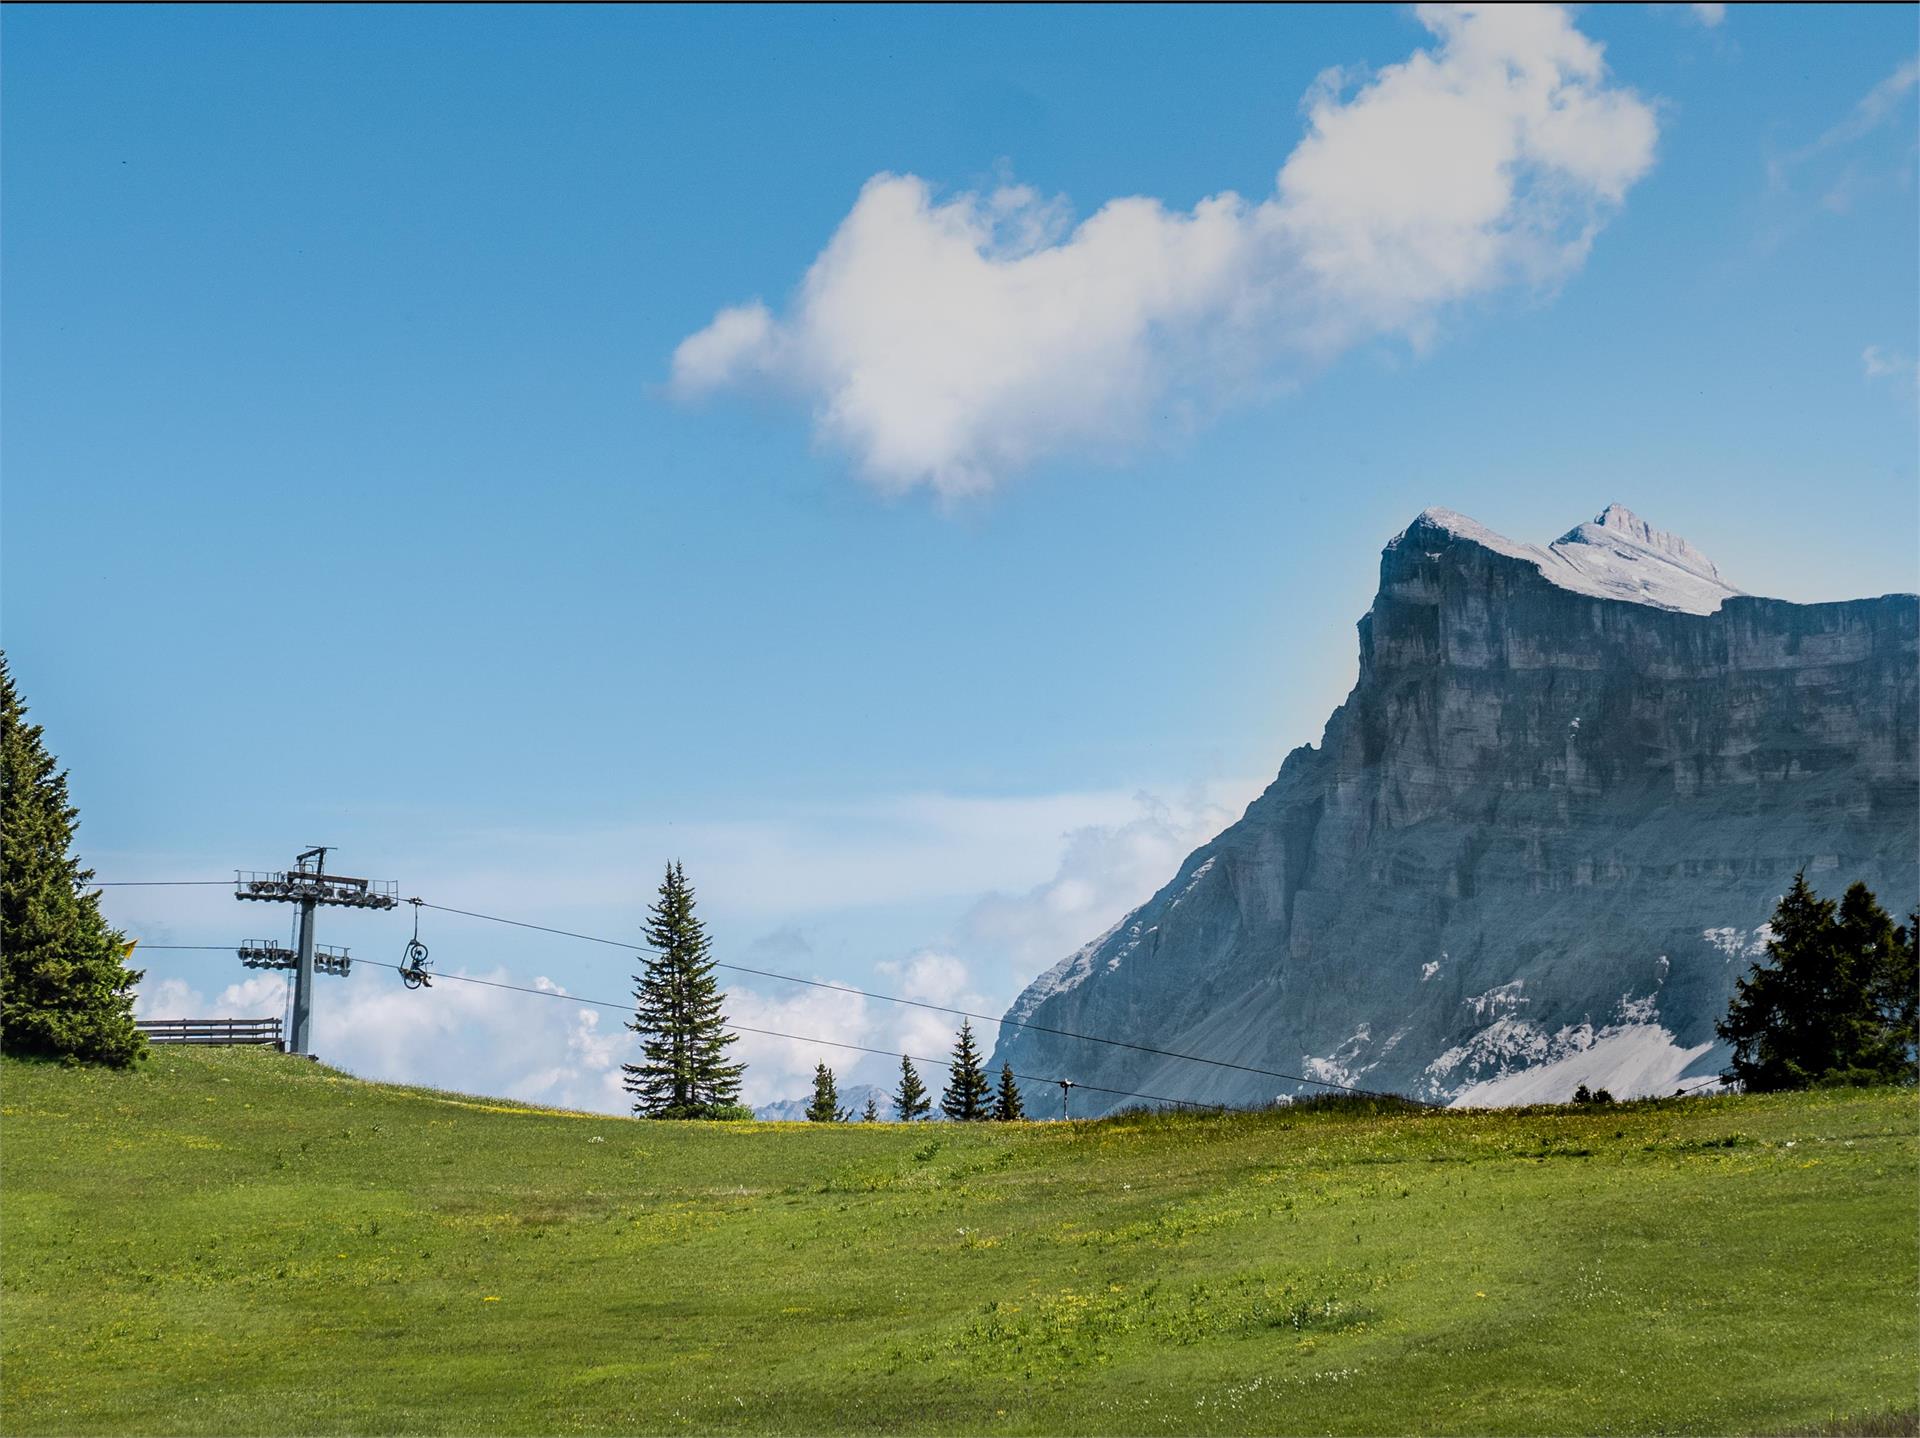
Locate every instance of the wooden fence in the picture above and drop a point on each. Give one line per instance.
(213, 1031)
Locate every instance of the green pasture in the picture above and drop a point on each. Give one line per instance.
(234, 1241)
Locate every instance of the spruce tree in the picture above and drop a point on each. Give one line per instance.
(65, 988)
(1834, 1003)
(1776, 1019)
(825, 1107)
(1006, 1103)
(967, 1087)
(1895, 992)
(871, 1113)
(910, 1100)
(679, 1014)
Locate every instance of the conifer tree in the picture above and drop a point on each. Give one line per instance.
(825, 1107)
(967, 1087)
(910, 1100)
(871, 1113)
(1896, 991)
(65, 988)
(1006, 1103)
(1773, 1021)
(1834, 1002)
(679, 1014)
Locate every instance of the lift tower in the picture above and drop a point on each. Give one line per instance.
(309, 885)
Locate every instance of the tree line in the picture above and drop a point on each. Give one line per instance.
(968, 1097)
(1833, 1002)
(679, 1013)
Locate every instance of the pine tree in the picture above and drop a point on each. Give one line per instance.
(910, 1100)
(967, 1087)
(1006, 1103)
(1771, 1022)
(825, 1107)
(871, 1113)
(65, 989)
(1895, 992)
(1834, 1003)
(679, 1014)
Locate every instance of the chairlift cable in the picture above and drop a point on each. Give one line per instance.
(906, 1002)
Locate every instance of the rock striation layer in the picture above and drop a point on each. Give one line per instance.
(1535, 846)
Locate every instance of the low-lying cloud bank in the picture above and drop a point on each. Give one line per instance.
(1105, 852)
(947, 342)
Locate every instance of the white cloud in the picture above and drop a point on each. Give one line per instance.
(459, 1036)
(1709, 15)
(1104, 871)
(1004, 885)
(779, 1068)
(946, 342)
(172, 999)
(929, 976)
(1902, 371)
(1874, 109)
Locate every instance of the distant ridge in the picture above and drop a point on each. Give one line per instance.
(853, 1098)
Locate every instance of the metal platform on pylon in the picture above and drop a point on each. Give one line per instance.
(294, 885)
(265, 954)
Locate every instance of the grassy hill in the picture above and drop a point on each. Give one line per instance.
(238, 1242)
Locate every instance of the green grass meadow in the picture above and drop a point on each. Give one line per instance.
(234, 1241)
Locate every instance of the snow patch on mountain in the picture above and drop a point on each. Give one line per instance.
(1198, 874)
(1511, 1061)
(1497, 1001)
(1740, 943)
(1616, 555)
(1343, 1066)
(1629, 1061)
(1065, 976)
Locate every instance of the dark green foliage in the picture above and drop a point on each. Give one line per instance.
(1834, 1004)
(65, 989)
(910, 1100)
(1586, 1096)
(678, 1012)
(871, 1113)
(825, 1107)
(1006, 1102)
(967, 1087)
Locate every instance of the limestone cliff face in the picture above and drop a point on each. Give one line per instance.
(1534, 848)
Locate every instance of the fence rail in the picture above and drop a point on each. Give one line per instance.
(213, 1031)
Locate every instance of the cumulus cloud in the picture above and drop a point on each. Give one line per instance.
(779, 1067)
(1017, 882)
(176, 999)
(946, 341)
(1104, 871)
(459, 1036)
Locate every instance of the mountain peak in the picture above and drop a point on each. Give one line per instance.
(1618, 524)
(1615, 555)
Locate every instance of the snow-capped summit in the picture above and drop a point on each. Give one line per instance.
(1616, 555)
(1617, 525)
(1536, 847)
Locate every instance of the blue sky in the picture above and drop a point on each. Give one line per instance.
(360, 487)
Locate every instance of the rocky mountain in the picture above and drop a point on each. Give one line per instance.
(1535, 846)
(853, 1098)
